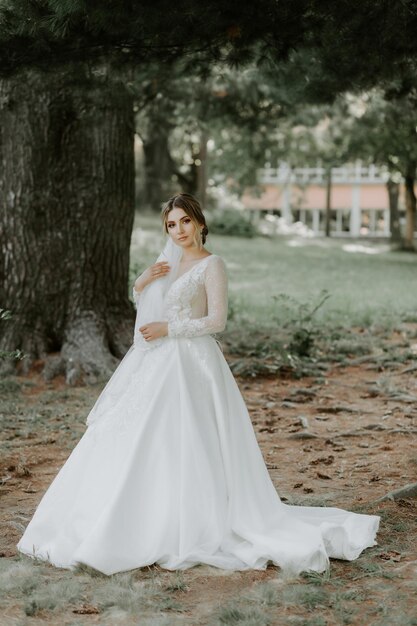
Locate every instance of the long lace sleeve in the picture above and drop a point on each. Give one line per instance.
(136, 296)
(216, 285)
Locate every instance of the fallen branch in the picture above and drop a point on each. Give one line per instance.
(409, 370)
(408, 491)
(359, 360)
(303, 435)
(361, 432)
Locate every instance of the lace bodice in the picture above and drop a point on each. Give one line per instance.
(196, 302)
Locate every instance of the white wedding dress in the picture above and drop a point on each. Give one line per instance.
(171, 471)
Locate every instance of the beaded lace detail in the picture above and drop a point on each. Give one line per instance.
(203, 288)
(136, 296)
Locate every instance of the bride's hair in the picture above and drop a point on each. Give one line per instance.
(192, 208)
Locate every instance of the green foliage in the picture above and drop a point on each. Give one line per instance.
(260, 353)
(178, 584)
(231, 222)
(82, 568)
(53, 596)
(316, 578)
(311, 597)
(300, 344)
(9, 386)
(54, 31)
(299, 319)
(384, 128)
(375, 41)
(237, 615)
(18, 578)
(43, 592)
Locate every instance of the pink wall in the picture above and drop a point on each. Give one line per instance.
(314, 197)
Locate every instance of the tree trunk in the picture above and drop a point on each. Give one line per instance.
(159, 166)
(328, 213)
(410, 204)
(394, 214)
(67, 209)
(202, 169)
(189, 181)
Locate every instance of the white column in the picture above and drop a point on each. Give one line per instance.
(372, 221)
(339, 220)
(316, 221)
(286, 203)
(355, 213)
(386, 223)
(256, 216)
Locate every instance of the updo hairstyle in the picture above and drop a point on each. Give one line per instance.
(193, 209)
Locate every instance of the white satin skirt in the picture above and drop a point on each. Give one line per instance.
(169, 471)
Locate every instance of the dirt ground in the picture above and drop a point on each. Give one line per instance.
(344, 439)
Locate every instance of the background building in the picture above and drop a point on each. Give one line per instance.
(359, 200)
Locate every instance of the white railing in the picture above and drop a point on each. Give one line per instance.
(348, 174)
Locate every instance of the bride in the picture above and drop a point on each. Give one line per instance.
(169, 470)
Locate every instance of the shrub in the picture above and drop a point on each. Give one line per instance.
(231, 222)
(298, 319)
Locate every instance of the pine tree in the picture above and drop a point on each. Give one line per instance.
(66, 138)
(66, 148)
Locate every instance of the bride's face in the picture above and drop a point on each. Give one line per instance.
(181, 228)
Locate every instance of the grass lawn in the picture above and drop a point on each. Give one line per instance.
(367, 283)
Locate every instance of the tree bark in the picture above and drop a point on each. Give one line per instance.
(394, 214)
(67, 209)
(159, 165)
(410, 204)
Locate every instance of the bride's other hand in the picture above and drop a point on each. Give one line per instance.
(157, 270)
(153, 330)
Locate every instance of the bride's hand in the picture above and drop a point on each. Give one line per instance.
(157, 270)
(153, 330)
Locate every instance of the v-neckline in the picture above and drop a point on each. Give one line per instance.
(191, 269)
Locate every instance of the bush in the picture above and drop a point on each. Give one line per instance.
(298, 319)
(231, 222)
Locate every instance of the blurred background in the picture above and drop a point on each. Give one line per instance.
(308, 189)
(295, 127)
